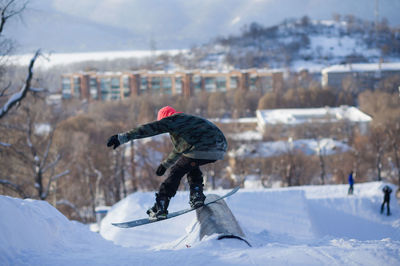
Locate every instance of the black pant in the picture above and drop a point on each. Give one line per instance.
(350, 192)
(183, 166)
(387, 201)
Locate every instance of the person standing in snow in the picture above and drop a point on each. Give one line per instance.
(386, 199)
(196, 142)
(351, 184)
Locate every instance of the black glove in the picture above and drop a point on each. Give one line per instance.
(113, 140)
(161, 170)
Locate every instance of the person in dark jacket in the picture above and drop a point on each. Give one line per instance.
(386, 199)
(196, 142)
(351, 183)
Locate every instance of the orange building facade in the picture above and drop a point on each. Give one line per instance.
(104, 86)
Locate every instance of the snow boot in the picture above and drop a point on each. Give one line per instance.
(159, 210)
(196, 196)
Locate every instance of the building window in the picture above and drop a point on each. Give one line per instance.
(66, 88)
(143, 84)
(93, 88)
(178, 85)
(210, 84)
(221, 83)
(115, 88)
(253, 82)
(166, 85)
(155, 84)
(115, 83)
(196, 81)
(234, 82)
(266, 84)
(125, 84)
(105, 86)
(77, 87)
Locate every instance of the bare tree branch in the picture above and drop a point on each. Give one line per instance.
(54, 178)
(3, 91)
(52, 164)
(46, 153)
(17, 97)
(12, 127)
(69, 204)
(22, 155)
(13, 187)
(28, 136)
(3, 144)
(6, 13)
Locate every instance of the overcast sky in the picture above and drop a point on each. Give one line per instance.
(184, 15)
(176, 23)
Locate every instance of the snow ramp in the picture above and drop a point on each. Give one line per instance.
(269, 213)
(272, 214)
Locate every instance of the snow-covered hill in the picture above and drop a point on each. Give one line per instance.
(90, 25)
(311, 225)
(293, 44)
(304, 44)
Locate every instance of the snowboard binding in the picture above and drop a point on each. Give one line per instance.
(159, 211)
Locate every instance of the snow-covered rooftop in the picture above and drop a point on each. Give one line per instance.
(243, 120)
(275, 148)
(307, 115)
(362, 67)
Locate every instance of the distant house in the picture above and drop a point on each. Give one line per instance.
(366, 76)
(289, 118)
(275, 148)
(106, 86)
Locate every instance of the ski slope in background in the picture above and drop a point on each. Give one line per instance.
(310, 225)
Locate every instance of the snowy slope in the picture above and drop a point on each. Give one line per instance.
(311, 225)
(57, 59)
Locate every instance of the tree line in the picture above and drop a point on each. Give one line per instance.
(58, 153)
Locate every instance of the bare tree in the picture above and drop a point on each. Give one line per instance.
(321, 154)
(16, 98)
(392, 132)
(377, 140)
(32, 164)
(8, 10)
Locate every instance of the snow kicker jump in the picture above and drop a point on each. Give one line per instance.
(173, 214)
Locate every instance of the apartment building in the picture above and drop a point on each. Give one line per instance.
(106, 86)
(365, 76)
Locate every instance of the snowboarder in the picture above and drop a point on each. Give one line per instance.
(351, 184)
(386, 199)
(196, 142)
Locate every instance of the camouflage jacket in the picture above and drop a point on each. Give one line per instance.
(192, 136)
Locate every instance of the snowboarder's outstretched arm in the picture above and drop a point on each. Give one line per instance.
(144, 131)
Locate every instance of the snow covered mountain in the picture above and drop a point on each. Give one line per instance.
(311, 225)
(96, 25)
(292, 44)
(303, 44)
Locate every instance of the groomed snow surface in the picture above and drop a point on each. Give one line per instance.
(310, 225)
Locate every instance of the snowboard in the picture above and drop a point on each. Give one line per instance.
(172, 214)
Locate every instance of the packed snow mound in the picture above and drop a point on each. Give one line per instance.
(310, 225)
(298, 213)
